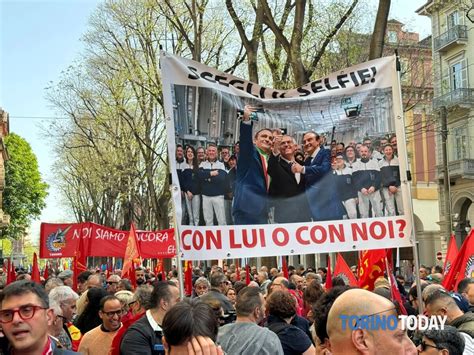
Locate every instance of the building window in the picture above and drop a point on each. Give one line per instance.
(460, 143)
(458, 75)
(453, 19)
(392, 37)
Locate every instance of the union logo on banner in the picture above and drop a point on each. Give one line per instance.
(56, 241)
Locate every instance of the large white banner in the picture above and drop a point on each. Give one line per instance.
(263, 172)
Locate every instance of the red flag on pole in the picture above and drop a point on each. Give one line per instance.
(247, 274)
(237, 270)
(328, 275)
(6, 269)
(372, 266)
(188, 278)
(12, 272)
(284, 267)
(109, 268)
(46, 271)
(35, 273)
(463, 265)
(450, 254)
(79, 262)
(343, 271)
(131, 253)
(132, 276)
(394, 291)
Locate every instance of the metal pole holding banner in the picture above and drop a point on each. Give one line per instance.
(175, 189)
(405, 180)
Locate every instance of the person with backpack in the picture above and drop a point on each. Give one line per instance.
(281, 307)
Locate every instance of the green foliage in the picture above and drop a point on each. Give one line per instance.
(25, 191)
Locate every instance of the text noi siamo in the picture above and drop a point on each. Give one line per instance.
(391, 322)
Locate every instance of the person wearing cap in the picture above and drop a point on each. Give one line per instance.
(344, 185)
(66, 277)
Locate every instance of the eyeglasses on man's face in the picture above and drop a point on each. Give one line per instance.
(25, 312)
(111, 314)
(423, 345)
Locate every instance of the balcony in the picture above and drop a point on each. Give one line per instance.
(456, 34)
(461, 97)
(463, 168)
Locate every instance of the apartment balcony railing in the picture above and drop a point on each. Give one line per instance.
(461, 96)
(454, 35)
(463, 168)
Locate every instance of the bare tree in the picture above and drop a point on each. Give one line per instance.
(378, 35)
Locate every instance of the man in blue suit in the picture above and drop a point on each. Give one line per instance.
(320, 187)
(250, 204)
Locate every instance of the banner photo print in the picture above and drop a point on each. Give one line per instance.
(263, 172)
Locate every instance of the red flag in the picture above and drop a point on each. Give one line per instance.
(46, 271)
(110, 270)
(328, 275)
(159, 269)
(371, 267)
(131, 253)
(188, 278)
(35, 273)
(463, 265)
(79, 262)
(247, 274)
(132, 276)
(12, 272)
(450, 254)
(6, 270)
(237, 271)
(284, 268)
(394, 291)
(343, 271)
(163, 272)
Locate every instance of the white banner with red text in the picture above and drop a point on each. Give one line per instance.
(205, 243)
(240, 202)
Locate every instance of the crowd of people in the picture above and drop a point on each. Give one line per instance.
(270, 314)
(268, 177)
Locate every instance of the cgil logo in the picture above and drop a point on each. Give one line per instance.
(378, 322)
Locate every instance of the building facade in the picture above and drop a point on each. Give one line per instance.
(417, 94)
(453, 55)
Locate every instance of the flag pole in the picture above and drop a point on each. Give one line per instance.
(175, 190)
(405, 176)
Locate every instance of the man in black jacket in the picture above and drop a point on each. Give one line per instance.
(144, 336)
(286, 189)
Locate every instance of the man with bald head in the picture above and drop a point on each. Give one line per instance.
(347, 341)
